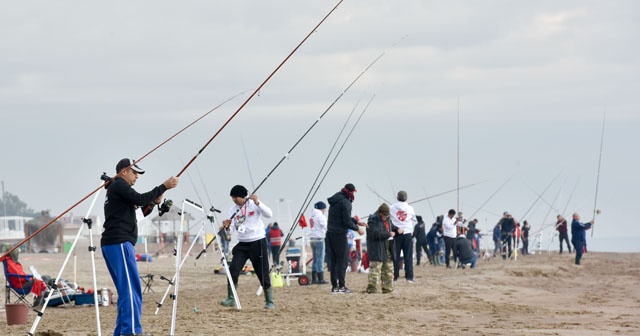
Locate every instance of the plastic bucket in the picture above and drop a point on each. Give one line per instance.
(17, 313)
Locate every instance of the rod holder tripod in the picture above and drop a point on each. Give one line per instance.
(54, 286)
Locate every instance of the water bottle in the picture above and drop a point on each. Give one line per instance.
(105, 297)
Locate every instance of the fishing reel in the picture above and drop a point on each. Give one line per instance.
(211, 211)
(107, 179)
(164, 207)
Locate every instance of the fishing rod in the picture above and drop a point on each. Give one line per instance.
(540, 195)
(377, 194)
(490, 197)
(445, 192)
(326, 160)
(310, 196)
(551, 205)
(108, 180)
(255, 92)
(564, 211)
(429, 203)
(595, 199)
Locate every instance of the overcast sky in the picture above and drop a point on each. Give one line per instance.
(85, 84)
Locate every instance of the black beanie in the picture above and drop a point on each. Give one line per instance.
(238, 191)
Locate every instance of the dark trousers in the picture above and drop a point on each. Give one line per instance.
(275, 254)
(448, 246)
(256, 251)
(403, 243)
(525, 246)
(337, 254)
(422, 245)
(565, 237)
(579, 247)
(506, 245)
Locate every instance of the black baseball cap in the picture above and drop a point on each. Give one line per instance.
(124, 163)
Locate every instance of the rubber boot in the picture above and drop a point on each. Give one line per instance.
(321, 279)
(268, 299)
(230, 301)
(314, 277)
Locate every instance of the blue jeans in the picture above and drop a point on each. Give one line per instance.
(317, 249)
(471, 261)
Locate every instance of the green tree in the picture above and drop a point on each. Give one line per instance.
(14, 206)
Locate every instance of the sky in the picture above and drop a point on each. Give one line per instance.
(464, 93)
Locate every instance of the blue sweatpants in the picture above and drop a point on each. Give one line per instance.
(121, 262)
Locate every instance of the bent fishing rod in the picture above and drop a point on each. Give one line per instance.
(310, 196)
(595, 199)
(304, 135)
(108, 180)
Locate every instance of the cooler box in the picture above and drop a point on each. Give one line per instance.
(293, 257)
(84, 299)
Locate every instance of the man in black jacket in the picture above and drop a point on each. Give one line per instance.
(119, 238)
(420, 234)
(339, 222)
(463, 251)
(507, 227)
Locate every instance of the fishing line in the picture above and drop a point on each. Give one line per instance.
(310, 196)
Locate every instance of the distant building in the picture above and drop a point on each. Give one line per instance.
(12, 230)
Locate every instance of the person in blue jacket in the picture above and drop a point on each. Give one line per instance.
(579, 235)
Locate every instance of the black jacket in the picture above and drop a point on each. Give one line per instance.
(420, 233)
(508, 226)
(120, 204)
(379, 247)
(339, 219)
(462, 248)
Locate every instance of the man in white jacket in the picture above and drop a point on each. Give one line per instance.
(449, 231)
(404, 218)
(318, 223)
(246, 214)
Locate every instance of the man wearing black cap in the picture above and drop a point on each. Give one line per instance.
(119, 238)
(339, 223)
(246, 214)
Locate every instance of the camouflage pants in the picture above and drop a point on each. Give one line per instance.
(380, 270)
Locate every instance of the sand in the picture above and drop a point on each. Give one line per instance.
(536, 295)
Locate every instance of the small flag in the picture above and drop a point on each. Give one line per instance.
(302, 222)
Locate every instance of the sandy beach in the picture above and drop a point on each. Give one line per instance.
(538, 294)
